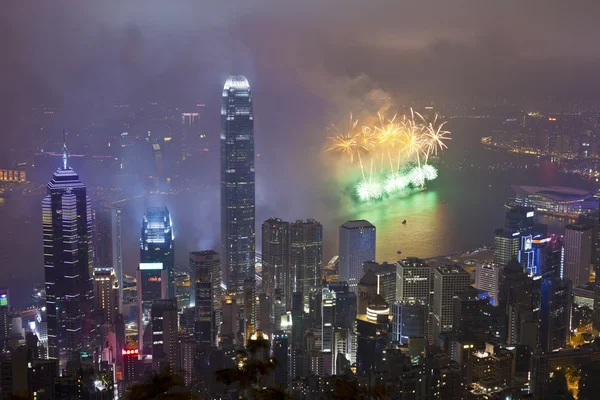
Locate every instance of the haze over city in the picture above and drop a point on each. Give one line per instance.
(196, 147)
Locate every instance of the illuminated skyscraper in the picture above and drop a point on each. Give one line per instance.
(106, 293)
(237, 183)
(107, 241)
(156, 244)
(357, 245)
(155, 277)
(67, 234)
(306, 258)
(205, 267)
(578, 253)
(276, 258)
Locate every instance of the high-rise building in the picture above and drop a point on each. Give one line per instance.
(190, 131)
(408, 321)
(276, 258)
(447, 280)
(520, 218)
(156, 243)
(555, 314)
(578, 254)
(204, 323)
(151, 285)
(549, 255)
(387, 281)
(280, 353)
(415, 285)
(107, 241)
(506, 246)
(106, 293)
(306, 239)
(487, 277)
(68, 256)
(249, 308)
(165, 341)
(356, 245)
(208, 264)
(237, 183)
(372, 331)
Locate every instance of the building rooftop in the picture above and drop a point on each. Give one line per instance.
(451, 270)
(556, 193)
(236, 82)
(362, 223)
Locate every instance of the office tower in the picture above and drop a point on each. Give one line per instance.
(526, 254)
(327, 328)
(263, 312)
(306, 239)
(152, 281)
(372, 331)
(356, 245)
(471, 320)
(487, 278)
(555, 314)
(345, 305)
(408, 321)
(593, 220)
(130, 365)
(230, 322)
(447, 280)
(550, 256)
(276, 258)
(367, 290)
(237, 183)
(187, 318)
(280, 353)
(204, 326)
(506, 246)
(67, 234)
(209, 262)
(187, 355)
(387, 280)
(5, 320)
(520, 218)
(249, 307)
(190, 131)
(107, 241)
(156, 244)
(515, 298)
(415, 285)
(165, 346)
(578, 254)
(106, 293)
(297, 336)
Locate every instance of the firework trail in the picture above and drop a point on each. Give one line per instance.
(410, 140)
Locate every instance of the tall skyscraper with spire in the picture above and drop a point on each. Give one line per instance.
(67, 235)
(237, 184)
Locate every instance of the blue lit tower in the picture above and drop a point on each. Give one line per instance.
(155, 276)
(67, 234)
(237, 183)
(356, 245)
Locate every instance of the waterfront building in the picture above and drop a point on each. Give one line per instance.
(356, 245)
(447, 281)
(556, 200)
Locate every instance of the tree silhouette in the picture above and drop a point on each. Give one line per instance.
(163, 385)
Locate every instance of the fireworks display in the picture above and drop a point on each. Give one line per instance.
(393, 154)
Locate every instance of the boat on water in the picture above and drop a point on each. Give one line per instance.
(399, 252)
(404, 222)
(444, 201)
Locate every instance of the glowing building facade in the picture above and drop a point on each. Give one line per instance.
(237, 183)
(356, 245)
(67, 235)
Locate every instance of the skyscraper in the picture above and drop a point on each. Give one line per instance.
(307, 257)
(209, 262)
(237, 183)
(487, 277)
(356, 245)
(447, 280)
(156, 244)
(107, 241)
(165, 349)
(578, 253)
(106, 293)
(506, 246)
(67, 234)
(276, 258)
